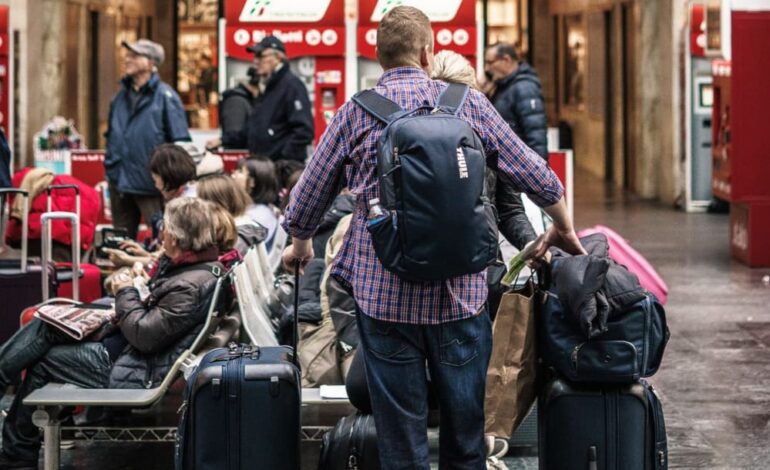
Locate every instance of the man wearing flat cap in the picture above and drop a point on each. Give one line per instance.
(280, 125)
(145, 113)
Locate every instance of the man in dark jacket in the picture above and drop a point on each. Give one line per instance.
(153, 332)
(280, 125)
(145, 113)
(519, 100)
(236, 105)
(517, 96)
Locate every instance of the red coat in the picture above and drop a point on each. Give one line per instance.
(62, 200)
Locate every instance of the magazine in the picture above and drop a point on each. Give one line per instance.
(78, 321)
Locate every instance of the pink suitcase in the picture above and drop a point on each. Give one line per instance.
(623, 253)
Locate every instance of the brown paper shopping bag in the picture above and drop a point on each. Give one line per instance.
(511, 386)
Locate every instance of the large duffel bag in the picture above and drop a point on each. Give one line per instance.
(616, 427)
(632, 347)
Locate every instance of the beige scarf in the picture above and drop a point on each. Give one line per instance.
(34, 183)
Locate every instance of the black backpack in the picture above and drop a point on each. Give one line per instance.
(439, 223)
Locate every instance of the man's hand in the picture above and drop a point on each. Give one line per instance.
(299, 250)
(567, 240)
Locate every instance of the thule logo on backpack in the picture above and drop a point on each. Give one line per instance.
(461, 165)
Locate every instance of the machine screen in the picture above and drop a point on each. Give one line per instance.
(706, 95)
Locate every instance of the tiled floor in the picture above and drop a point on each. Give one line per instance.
(715, 377)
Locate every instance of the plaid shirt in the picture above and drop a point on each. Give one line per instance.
(349, 145)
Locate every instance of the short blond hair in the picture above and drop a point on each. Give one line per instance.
(223, 190)
(451, 67)
(189, 220)
(401, 36)
(225, 231)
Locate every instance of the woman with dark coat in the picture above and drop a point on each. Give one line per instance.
(154, 329)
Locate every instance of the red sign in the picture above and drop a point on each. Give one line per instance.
(88, 166)
(749, 232)
(299, 40)
(697, 30)
(561, 163)
(456, 12)
(271, 12)
(231, 157)
(4, 10)
(461, 39)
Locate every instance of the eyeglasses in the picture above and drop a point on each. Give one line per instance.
(490, 62)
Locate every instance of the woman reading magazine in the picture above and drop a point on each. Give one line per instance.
(153, 330)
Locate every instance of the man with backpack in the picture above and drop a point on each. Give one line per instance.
(422, 234)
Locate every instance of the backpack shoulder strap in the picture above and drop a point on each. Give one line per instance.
(453, 97)
(377, 105)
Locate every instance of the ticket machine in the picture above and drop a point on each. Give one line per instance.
(699, 99)
(314, 34)
(455, 27)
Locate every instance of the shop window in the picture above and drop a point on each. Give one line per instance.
(197, 61)
(507, 22)
(574, 61)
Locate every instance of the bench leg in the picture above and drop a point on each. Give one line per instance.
(52, 438)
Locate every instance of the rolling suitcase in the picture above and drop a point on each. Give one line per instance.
(242, 410)
(90, 279)
(601, 427)
(352, 444)
(20, 280)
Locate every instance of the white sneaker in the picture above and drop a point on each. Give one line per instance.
(497, 451)
(493, 463)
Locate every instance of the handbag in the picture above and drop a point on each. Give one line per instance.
(511, 386)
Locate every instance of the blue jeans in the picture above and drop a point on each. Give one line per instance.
(457, 355)
(49, 356)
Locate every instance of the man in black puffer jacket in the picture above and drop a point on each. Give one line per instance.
(518, 97)
(280, 125)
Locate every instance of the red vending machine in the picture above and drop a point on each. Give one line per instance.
(741, 153)
(454, 28)
(314, 34)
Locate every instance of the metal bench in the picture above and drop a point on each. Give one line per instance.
(51, 398)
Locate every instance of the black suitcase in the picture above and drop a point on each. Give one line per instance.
(351, 445)
(242, 410)
(595, 427)
(20, 278)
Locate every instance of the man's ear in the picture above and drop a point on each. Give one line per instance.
(426, 59)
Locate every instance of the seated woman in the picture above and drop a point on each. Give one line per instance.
(225, 192)
(257, 177)
(173, 172)
(155, 330)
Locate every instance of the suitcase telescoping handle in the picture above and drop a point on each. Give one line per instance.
(24, 220)
(295, 325)
(59, 187)
(45, 223)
